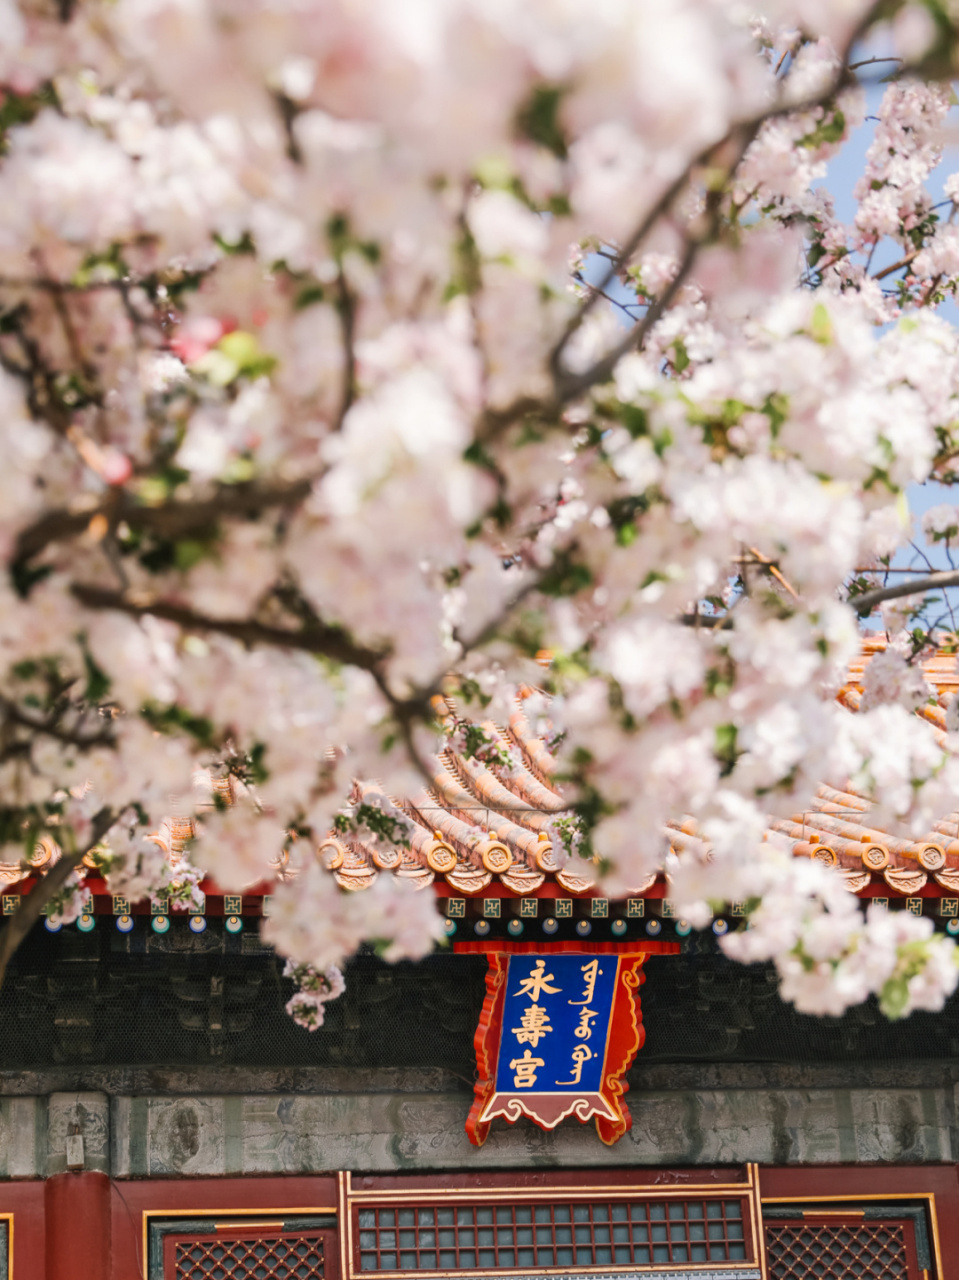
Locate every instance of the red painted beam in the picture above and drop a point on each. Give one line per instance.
(574, 947)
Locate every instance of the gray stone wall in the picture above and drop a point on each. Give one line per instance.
(385, 1121)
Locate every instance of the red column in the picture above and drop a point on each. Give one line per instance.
(78, 1226)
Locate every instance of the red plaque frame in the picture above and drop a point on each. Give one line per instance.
(625, 1038)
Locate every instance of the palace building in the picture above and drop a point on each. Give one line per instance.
(573, 1086)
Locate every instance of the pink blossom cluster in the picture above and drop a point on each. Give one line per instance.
(941, 523)
(306, 1006)
(355, 354)
(829, 957)
(907, 146)
(891, 678)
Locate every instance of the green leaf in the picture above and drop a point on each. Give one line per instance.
(565, 577)
(725, 749)
(98, 682)
(719, 683)
(189, 552)
(394, 830)
(661, 441)
(308, 296)
(101, 266)
(833, 131)
(538, 119)
(171, 718)
(159, 558)
(478, 454)
(25, 576)
(21, 108)
(255, 764)
(217, 368)
(465, 276)
(242, 347)
(338, 232)
(635, 419)
(239, 470)
(733, 411)
(776, 409)
(820, 327)
(237, 353)
(243, 245)
(154, 490)
(493, 172)
(827, 131)
(893, 997)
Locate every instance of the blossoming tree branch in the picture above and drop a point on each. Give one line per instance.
(356, 353)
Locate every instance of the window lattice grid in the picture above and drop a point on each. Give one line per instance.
(819, 1251)
(510, 1237)
(276, 1257)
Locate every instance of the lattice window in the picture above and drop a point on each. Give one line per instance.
(294, 1256)
(821, 1250)
(483, 1237)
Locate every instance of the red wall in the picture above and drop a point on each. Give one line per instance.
(79, 1226)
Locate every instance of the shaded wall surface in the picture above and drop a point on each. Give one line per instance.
(183, 999)
(172, 1055)
(159, 1135)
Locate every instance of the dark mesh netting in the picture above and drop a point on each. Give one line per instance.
(181, 999)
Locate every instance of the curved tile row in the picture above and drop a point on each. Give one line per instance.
(480, 823)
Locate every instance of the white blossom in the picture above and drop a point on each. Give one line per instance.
(311, 415)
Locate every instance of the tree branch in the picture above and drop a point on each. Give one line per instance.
(320, 638)
(865, 603)
(903, 262)
(46, 888)
(868, 62)
(171, 520)
(346, 310)
(569, 386)
(488, 630)
(709, 621)
(618, 262)
(46, 284)
(573, 385)
(746, 130)
(49, 729)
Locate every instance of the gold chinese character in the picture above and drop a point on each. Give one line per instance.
(525, 1069)
(585, 1030)
(533, 1025)
(581, 1055)
(537, 982)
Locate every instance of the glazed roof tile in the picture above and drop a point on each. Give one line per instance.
(485, 827)
(495, 820)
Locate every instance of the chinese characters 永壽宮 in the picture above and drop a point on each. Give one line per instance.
(555, 1023)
